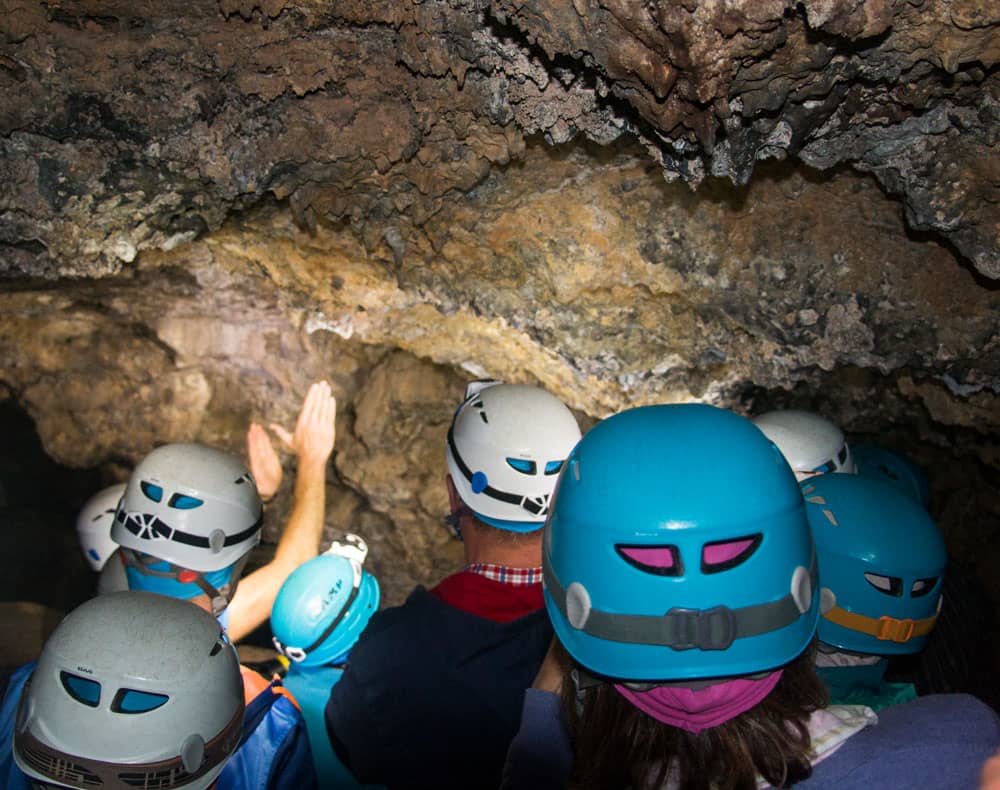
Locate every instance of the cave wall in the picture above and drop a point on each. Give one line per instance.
(205, 206)
(574, 269)
(138, 125)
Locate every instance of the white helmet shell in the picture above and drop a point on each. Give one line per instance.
(505, 447)
(132, 688)
(93, 525)
(191, 505)
(811, 444)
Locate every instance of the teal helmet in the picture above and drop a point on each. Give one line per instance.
(324, 605)
(882, 559)
(678, 548)
(880, 463)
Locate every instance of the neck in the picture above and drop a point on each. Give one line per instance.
(490, 545)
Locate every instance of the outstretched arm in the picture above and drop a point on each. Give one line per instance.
(312, 442)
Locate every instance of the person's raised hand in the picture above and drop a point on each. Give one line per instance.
(264, 463)
(314, 435)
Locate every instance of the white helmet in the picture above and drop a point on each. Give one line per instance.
(811, 444)
(93, 525)
(506, 445)
(190, 505)
(132, 689)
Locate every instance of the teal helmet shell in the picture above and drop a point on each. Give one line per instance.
(678, 548)
(882, 561)
(882, 464)
(309, 602)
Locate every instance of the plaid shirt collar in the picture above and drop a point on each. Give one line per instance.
(501, 573)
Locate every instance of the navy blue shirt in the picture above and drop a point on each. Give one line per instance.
(432, 695)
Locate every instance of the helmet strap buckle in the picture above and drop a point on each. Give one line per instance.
(891, 629)
(705, 629)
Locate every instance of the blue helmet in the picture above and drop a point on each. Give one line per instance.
(324, 605)
(877, 462)
(678, 548)
(882, 560)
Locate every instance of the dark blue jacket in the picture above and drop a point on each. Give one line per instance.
(432, 695)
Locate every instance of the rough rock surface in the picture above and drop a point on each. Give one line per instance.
(205, 206)
(143, 125)
(576, 270)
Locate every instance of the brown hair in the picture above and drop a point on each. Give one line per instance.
(618, 745)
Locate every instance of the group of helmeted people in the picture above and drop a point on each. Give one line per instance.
(681, 598)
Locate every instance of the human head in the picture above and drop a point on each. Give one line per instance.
(324, 605)
(882, 561)
(678, 549)
(93, 525)
(505, 447)
(811, 444)
(131, 687)
(188, 519)
(681, 580)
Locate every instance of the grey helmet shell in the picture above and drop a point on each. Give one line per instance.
(194, 506)
(126, 681)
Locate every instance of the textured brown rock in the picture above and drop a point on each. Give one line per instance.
(586, 275)
(139, 126)
(204, 207)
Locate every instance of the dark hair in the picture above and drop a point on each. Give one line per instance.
(618, 745)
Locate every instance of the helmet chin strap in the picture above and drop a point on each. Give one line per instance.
(219, 598)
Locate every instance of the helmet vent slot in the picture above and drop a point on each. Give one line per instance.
(83, 690)
(888, 585)
(723, 555)
(922, 587)
(658, 560)
(134, 701)
(522, 465)
(185, 502)
(151, 490)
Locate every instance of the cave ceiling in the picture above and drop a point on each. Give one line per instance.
(206, 205)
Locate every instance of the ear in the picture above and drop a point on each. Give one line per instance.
(454, 500)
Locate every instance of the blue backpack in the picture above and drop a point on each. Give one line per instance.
(274, 752)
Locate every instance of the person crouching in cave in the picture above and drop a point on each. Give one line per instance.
(320, 612)
(185, 525)
(432, 693)
(191, 514)
(188, 519)
(882, 561)
(132, 689)
(683, 587)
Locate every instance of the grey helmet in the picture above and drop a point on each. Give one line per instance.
(132, 689)
(193, 506)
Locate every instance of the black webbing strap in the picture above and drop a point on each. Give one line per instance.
(157, 527)
(681, 628)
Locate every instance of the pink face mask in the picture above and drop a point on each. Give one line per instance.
(695, 710)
